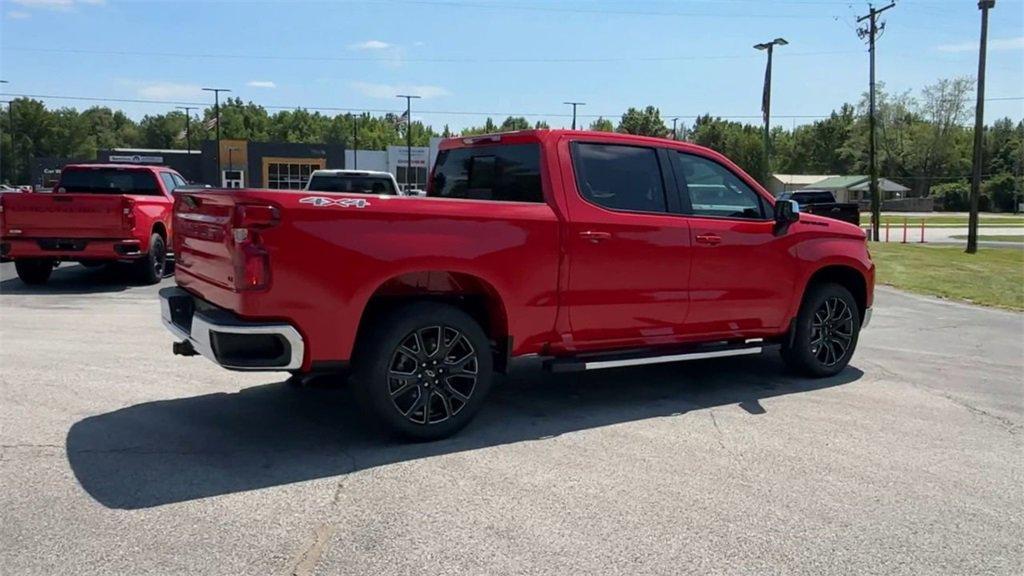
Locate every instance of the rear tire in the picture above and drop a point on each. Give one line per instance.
(825, 333)
(151, 268)
(34, 271)
(423, 370)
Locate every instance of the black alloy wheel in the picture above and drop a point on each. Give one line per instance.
(832, 331)
(432, 374)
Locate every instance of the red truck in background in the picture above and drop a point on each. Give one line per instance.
(593, 250)
(97, 213)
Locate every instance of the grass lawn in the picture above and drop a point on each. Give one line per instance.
(992, 277)
(950, 220)
(994, 237)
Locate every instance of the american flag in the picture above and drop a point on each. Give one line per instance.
(403, 119)
(211, 123)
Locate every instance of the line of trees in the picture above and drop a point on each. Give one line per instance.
(924, 141)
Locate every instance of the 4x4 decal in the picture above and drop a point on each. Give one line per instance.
(321, 201)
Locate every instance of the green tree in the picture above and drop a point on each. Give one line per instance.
(514, 123)
(646, 122)
(602, 125)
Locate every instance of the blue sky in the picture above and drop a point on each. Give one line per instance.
(686, 57)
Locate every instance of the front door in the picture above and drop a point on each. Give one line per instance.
(629, 256)
(743, 274)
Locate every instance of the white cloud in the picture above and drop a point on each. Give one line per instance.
(370, 45)
(18, 15)
(390, 90)
(166, 90)
(261, 84)
(994, 45)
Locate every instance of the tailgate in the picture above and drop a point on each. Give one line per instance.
(203, 246)
(64, 215)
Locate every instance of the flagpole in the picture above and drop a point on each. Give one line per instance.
(408, 138)
(766, 104)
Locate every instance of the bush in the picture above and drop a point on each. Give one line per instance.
(951, 197)
(1003, 189)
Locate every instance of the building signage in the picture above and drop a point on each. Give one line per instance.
(399, 156)
(136, 159)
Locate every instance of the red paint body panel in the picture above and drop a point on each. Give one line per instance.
(560, 277)
(99, 219)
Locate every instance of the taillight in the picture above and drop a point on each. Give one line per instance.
(128, 214)
(251, 260)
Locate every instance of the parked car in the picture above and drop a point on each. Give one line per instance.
(823, 203)
(592, 250)
(352, 181)
(97, 213)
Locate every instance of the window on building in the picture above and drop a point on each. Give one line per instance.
(290, 175)
(620, 177)
(715, 191)
(506, 173)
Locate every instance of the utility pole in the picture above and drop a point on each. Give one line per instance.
(675, 134)
(14, 152)
(872, 32)
(188, 127)
(11, 128)
(979, 128)
(408, 137)
(355, 142)
(766, 103)
(216, 113)
(574, 105)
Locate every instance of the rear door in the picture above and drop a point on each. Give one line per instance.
(629, 254)
(743, 274)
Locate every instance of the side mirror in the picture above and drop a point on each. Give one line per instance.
(786, 212)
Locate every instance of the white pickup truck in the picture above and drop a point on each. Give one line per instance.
(353, 182)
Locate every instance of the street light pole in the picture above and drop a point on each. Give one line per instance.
(766, 103)
(355, 142)
(408, 137)
(216, 113)
(979, 127)
(574, 105)
(675, 134)
(11, 128)
(188, 130)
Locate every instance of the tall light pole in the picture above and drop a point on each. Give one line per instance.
(408, 136)
(872, 33)
(574, 105)
(11, 128)
(216, 113)
(355, 142)
(675, 134)
(766, 103)
(979, 127)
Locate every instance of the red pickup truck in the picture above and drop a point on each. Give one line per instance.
(585, 248)
(96, 213)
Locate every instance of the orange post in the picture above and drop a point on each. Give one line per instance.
(886, 231)
(922, 231)
(904, 231)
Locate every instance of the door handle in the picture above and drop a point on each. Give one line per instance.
(595, 237)
(709, 239)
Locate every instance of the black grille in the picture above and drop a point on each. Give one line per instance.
(182, 310)
(62, 245)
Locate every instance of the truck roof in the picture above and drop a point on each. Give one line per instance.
(340, 172)
(537, 135)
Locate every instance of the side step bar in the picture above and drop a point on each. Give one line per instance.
(657, 356)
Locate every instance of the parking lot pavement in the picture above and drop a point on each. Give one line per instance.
(119, 458)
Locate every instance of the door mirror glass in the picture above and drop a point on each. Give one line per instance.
(786, 212)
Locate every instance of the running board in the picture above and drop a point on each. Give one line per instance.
(657, 356)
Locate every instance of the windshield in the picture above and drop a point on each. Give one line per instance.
(354, 183)
(108, 181)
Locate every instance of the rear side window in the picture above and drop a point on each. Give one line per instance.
(109, 181)
(351, 183)
(620, 177)
(715, 191)
(505, 173)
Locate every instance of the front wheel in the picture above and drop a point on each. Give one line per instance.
(34, 271)
(423, 370)
(826, 332)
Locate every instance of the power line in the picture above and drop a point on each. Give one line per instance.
(414, 59)
(485, 6)
(394, 111)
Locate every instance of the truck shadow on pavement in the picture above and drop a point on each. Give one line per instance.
(179, 450)
(75, 279)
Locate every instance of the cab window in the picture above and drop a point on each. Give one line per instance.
(713, 190)
(619, 177)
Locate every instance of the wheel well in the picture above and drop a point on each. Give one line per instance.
(469, 293)
(158, 228)
(846, 277)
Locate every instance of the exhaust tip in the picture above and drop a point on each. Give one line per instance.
(183, 348)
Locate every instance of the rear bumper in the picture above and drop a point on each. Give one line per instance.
(71, 248)
(227, 340)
